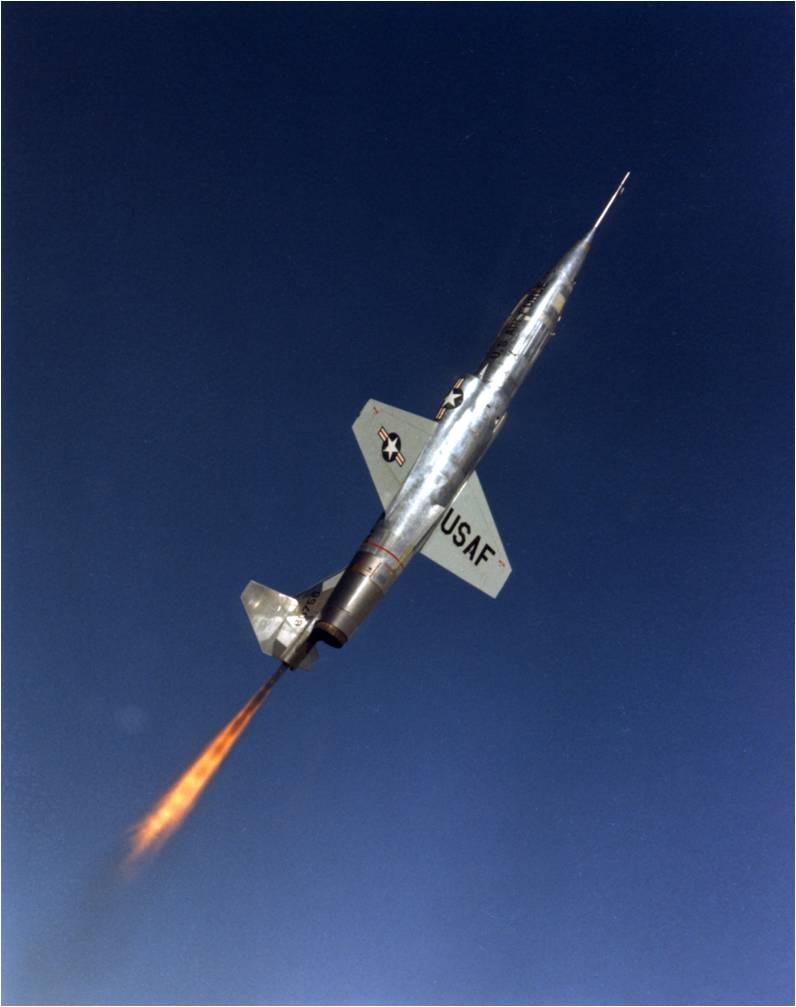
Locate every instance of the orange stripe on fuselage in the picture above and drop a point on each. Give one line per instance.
(376, 545)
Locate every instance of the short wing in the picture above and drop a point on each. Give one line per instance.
(467, 543)
(390, 439)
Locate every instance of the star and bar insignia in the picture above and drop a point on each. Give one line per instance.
(391, 447)
(451, 400)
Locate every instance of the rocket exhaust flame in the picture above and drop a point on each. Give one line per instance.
(149, 835)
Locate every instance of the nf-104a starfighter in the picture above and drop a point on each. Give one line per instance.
(424, 473)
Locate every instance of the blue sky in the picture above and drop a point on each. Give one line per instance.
(225, 228)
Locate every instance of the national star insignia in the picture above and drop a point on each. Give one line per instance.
(453, 398)
(391, 447)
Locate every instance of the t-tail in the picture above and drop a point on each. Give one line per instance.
(283, 624)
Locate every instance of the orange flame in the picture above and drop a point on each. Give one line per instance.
(173, 808)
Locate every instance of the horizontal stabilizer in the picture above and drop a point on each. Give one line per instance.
(390, 440)
(466, 541)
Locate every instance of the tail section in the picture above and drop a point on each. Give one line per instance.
(283, 624)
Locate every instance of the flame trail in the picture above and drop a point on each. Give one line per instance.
(172, 809)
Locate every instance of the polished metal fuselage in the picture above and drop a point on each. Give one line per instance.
(463, 435)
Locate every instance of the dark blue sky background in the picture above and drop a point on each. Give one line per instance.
(225, 228)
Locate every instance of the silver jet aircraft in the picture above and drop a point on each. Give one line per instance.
(424, 474)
